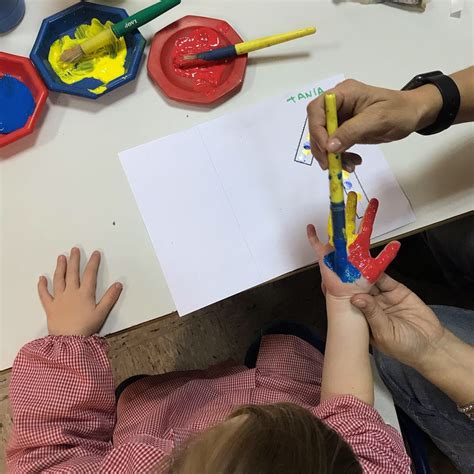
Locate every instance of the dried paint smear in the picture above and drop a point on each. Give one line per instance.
(105, 64)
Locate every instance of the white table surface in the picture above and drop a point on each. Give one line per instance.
(64, 185)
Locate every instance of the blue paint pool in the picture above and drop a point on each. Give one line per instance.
(16, 104)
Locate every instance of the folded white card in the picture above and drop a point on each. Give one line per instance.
(226, 203)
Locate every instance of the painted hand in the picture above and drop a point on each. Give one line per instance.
(362, 269)
(72, 309)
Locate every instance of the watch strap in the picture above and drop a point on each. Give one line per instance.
(451, 100)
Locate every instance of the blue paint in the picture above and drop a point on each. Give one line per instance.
(16, 104)
(307, 146)
(338, 216)
(348, 273)
(339, 175)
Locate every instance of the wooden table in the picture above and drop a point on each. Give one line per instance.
(64, 185)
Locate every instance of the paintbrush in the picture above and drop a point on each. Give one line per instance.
(336, 191)
(117, 30)
(192, 60)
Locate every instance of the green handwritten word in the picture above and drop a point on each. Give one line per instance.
(305, 95)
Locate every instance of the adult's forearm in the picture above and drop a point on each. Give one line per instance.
(347, 369)
(465, 81)
(450, 366)
(428, 99)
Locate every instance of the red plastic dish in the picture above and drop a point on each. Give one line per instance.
(22, 68)
(162, 69)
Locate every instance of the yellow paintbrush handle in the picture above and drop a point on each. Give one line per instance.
(336, 190)
(260, 43)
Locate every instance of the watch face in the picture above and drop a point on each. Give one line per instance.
(421, 79)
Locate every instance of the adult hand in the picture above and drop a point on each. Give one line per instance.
(71, 309)
(369, 115)
(402, 326)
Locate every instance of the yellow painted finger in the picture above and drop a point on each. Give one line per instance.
(330, 232)
(351, 209)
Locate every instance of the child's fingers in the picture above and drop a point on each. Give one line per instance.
(72, 272)
(386, 256)
(43, 293)
(351, 208)
(368, 220)
(89, 279)
(59, 283)
(314, 240)
(109, 299)
(330, 233)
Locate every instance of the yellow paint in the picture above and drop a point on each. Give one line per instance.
(105, 64)
(98, 90)
(336, 189)
(351, 209)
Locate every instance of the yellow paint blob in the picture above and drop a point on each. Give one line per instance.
(105, 64)
(351, 214)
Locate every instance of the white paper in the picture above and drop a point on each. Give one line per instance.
(226, 203)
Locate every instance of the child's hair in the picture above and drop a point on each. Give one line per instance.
(267, 439)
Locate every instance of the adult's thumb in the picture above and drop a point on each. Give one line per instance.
(352, 131)
(373, 313)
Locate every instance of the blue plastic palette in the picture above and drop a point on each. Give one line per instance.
(64, 23)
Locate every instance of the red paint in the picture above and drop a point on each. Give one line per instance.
(206, 78)
(359, 251)
(22, 68)
(183, 84)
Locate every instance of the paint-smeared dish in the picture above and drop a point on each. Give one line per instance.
(218, 82)
(22, 69)
(66, 22)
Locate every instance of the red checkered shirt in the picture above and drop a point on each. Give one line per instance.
(66, 420)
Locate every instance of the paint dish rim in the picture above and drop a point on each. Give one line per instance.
(72, 89)
(160, 78)
(40, 98)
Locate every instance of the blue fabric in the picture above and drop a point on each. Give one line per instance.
(433, 411)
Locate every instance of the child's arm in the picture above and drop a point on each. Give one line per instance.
(62, 391)
(347, 369)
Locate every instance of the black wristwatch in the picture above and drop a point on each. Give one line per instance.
(451, 99)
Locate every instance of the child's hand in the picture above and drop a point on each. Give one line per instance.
(72, 309)
(365, 269)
